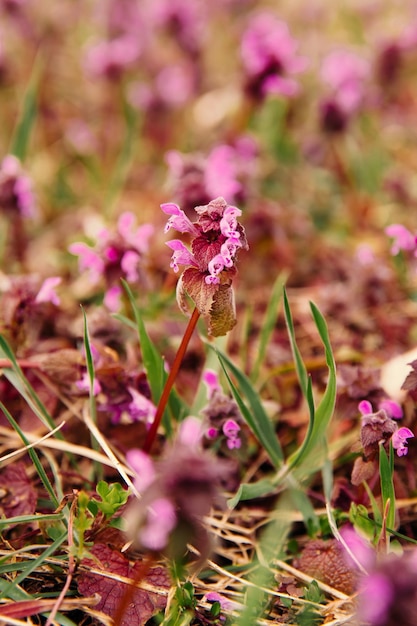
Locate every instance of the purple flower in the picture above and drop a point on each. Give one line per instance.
(140, 408)
(231, 429)
(178, 491)
(16, 193)
(181, 255)
(221, 172)
(346, 73)
(84, 384)
(269, 55)
(403, 239)
(211, 379)
(112, 58)
(391, 408)
(217, 238)
(47, 291)
(399, 440)
(377, 593)
(144, 468)
(178, 219)
(115, 255)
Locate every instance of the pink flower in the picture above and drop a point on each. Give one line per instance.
(269, 55)
(144, 468)
(88, 259)
(400, 440)
(230, 429)
(346, 73)
(178, 219)
(391, 408)
(111, 58)
(16, 193)
(181, 255)
(140, 408)
(160, 521)
(403, 239)
(47, 291)
(211, 379)
(84, 384)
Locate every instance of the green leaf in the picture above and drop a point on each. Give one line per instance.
(19, 381)
(299, 363)
(255, 416)
(27, 117)
(387, 485)
(154, 367)
(248, 491)
(312, 453)
(34, 457)
(268, 325)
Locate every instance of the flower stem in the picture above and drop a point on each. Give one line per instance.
(170, 380)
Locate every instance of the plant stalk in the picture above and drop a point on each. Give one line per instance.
(170, 381)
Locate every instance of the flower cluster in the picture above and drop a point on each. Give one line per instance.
(122, 395)
(388, 591)
(269, 55)
(177, 493)
(222, 413)
(225, 171)
(16, 194)
(380, 426)
(116, 255)
(346, 74)
(403, 240)
(216, 238)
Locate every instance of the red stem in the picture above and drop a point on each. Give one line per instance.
(170, 381)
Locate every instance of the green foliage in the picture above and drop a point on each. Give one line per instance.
(255, 416)
(155, 369)
(309, 615)
(113, 496)
(27, 117)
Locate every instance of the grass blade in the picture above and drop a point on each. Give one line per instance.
(155, 368)
(34, 457)
(268, 325)
(25, 123)
(256, 418)
(17, 378)
(310, 454)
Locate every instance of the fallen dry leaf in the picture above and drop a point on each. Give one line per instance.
(143, 604)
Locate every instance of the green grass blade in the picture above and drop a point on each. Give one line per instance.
(155, 369)
(268, 324)
(299, 363)
(27, 117)
(248, 491)
(34, 457)
(312, 451)
(98, 467)
(256, 417)
(17, 378)
(31, 566)
(90, 369)
(387, 485)
(125, 158)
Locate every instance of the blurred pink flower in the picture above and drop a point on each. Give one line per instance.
(269, 55)
(16, 194)
(116, 255)
(111, 58)
(47, 291)
(402, 238)
(346, 74)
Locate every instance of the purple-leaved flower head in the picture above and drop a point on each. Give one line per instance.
(177, 492)
(210, 264)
